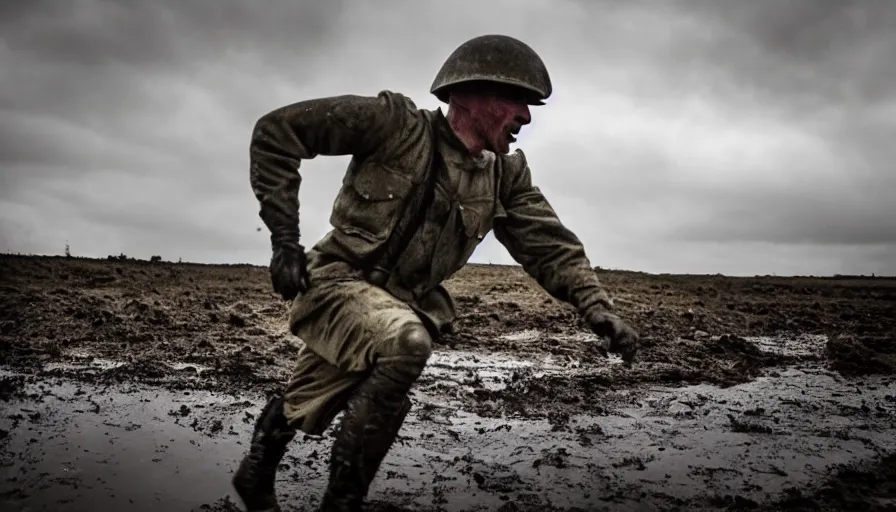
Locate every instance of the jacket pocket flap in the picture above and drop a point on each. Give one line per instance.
(376, 183)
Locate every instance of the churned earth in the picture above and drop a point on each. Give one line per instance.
(134, 385)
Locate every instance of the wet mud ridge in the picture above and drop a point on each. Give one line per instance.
(130, 386)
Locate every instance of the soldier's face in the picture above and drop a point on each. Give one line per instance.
(500, 118)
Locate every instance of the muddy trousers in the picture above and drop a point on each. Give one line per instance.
(372, 418)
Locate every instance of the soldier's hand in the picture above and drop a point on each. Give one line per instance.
(289, 270)
(623, 338)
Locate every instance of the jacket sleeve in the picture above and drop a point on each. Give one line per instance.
(339, 125)
(536, 238)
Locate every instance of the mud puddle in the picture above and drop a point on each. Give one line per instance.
(79, 362)
(70, 446)
(66, 445)
(472, 379)
(793, 346)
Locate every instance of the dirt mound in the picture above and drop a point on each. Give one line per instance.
(726, 360)
(857, 355)
(723, 361)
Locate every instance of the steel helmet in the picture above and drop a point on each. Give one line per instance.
(494, 58)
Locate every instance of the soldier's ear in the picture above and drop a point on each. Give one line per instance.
(457, 98)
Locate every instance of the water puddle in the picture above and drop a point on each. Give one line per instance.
(801, 345)
(71, 446)
(86, 363)
(77, 447)
(83, 363)
(468, 371)
(529, 335)
(198, 369)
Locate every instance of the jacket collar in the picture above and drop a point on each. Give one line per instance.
(453, 150)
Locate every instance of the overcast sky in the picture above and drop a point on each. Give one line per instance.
(702, 136)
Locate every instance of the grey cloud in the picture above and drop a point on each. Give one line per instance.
(125, 125)
(832, 188)
(798, 56)
(165, 33)
(87, 59)
(790, 218)
(812, 52)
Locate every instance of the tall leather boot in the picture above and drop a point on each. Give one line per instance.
(255, 478)
(370, 425)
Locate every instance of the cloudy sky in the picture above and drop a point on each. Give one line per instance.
(703, 136)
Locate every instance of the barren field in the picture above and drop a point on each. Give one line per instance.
(130, 385)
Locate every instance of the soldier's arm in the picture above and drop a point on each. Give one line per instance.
(536, 238)
(281, 139)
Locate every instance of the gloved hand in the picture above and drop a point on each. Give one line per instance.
(623, 339)
(289, 270)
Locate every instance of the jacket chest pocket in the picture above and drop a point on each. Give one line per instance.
(371, 200)
(477, 217)
(468, 222)
(475, 200)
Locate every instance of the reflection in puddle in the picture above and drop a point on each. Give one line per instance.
(87, 363)
(189, 367)
(528, 335)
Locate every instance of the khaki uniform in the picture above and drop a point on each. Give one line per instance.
(345, 320)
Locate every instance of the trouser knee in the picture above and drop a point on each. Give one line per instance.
(407, 353)
(412, 342)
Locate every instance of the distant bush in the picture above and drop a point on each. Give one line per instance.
(120, 257)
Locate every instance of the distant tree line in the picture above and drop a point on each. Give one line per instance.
(123, 257)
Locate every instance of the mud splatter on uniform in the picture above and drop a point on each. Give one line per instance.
(345, 320)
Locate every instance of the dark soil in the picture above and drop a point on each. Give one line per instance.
(862, 355)
(186, 328)
(869, 486)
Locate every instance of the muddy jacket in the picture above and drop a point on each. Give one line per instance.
(395, 149)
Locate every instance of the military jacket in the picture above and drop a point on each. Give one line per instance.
(393, 144)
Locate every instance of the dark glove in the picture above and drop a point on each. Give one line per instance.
(623, 339)
(289, 270)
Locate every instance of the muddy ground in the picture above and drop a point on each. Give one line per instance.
(130, 385)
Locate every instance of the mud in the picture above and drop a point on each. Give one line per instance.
(131, 385)
(857, 356)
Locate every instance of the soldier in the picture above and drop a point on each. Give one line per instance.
(421, 191)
